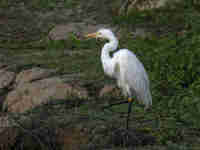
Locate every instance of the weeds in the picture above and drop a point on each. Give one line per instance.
(170, 55)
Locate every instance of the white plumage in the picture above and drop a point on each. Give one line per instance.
(131, 76)
(125, 67)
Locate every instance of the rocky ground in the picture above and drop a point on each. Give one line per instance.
(53, 89)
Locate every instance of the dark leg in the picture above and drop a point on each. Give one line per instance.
(118, 103)
(130, 101)
(129, 111)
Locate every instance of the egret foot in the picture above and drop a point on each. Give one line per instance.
(130, 99)
(121, 102)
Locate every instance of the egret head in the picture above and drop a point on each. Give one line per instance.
(102, 34)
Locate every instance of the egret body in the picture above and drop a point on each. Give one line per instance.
(126, 68)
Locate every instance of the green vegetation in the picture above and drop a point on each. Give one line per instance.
(171, 57)
(170, 53)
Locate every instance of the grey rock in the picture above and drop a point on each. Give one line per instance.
(6, 78)
(63, 32)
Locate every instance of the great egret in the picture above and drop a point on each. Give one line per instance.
(126, 68)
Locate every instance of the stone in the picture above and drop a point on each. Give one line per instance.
(8, 132)
(109, 90)
(33, 74)
(29, 95)
(63, 32)
(141, 5)
(6, 78)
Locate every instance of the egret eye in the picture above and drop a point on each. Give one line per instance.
(99, 34)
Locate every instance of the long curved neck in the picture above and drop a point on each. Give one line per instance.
(105, 55)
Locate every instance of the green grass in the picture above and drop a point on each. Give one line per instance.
(172, 62)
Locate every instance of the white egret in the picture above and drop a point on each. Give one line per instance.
(126, 68)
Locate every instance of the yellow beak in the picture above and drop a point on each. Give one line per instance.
(91, 35)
